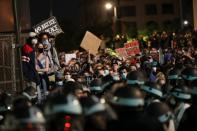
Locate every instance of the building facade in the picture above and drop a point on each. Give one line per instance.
(142, 14)
(7, 18)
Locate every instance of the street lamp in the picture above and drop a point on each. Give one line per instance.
(108, 6)
(185, 22)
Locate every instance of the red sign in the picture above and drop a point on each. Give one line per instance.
(132, 48)
(122, 52)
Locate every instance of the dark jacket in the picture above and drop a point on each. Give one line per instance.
(28, 63)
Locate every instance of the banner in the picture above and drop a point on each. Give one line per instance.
(50, 25)
(132, 48)
(121, 52)
(91, 43)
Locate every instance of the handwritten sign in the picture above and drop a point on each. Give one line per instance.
(121, 52)
(50, 25)
(132, 48)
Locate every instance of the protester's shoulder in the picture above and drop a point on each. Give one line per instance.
(27, 49)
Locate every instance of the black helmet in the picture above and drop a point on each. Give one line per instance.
(153, 89)
(21, 102)
(96, 86)
(92, 105)
(107, 81)
(174, 74)
(5, 102)
(159, 111)
(189, 74)
(193, 91)
(28, 118)
(136, 77)
(71, 87)
(5, 105)
(62, 104)
(62, 113)
(129, 97)
(181, 92)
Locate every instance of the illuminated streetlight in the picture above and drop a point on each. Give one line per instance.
(185, 22)
(108, 6)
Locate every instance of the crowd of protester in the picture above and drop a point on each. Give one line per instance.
(103, 92)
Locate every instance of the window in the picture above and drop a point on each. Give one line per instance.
(167, 8)
(131, 29)
(151, 9)
(127, 11)
(152, 25)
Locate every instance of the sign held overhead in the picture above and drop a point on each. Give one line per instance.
(50, 25)
(91, 43)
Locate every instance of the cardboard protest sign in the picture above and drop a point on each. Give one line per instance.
(68, 57)
(50, 25)
(91, 43)
(122, 52)
(132, 48)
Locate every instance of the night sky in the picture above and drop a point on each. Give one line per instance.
(63, 10)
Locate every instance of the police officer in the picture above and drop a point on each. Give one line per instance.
(188, 121)
(179, 101)
(128, 103)
(95, 113)
(26, 119)
(152, 92)
(158, 117)
(63, 113)
(136, 78)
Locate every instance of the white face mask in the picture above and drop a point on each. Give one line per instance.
(116, 78)
(46, 42)
(34, 41)
(124, 76)
(137, 65)
(106, 72)
(154, 69)
(59, 83)
(150, 60)
(67, 77)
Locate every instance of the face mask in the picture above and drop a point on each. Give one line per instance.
(40, 50)
(67, 77)
(116, 78)
(138, 65)
(154, 69)
(106, 72)
(34, 41)
(46, 42)
(124, 76)
(150, 60)
(59, 83)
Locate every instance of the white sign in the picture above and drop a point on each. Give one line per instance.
(69, 57)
